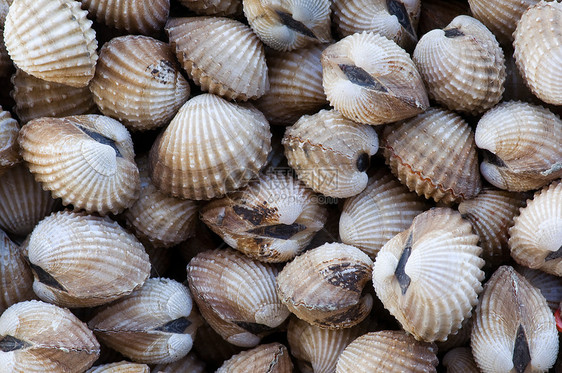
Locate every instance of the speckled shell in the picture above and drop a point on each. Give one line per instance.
(271, 358)
(522, 144)
(420, 153)
(390, 351)
(324, 286)
(413, 272)
(330, 153)
(236, 295)
(214, 7)
(221, 55)
(52, 40)
(384, 209)
(286, 25)
(81, 260)
(190, 363)
(460, 360)
(9, 129)
(120, 367)
(211, 147)
(549, 285)
(41, 337)
(439, 13)
(514, 330)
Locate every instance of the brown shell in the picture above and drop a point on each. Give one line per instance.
(549, 285)
(190, 364)
(120, 367)
(270, 358)
(212, 348)
(439, 13)
(16, 280)
(9, 129)
(460, 360)
(214, 7)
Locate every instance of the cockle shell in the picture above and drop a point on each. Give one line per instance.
(214, 7)
(462, 66)
(514, 330)
(52, 40)
(81, 260)
(272, 220)
(236, 295)
(87, 160)
(221, 55)
(413, 272)
(286, 25)
(270, 358)
(41, 337)
(190, 364)
(138, 82)
(420, 152)
(331, 153)
(522, 144)
(9, 129)
(460, 360)
(120, 367)
(371, 80)
(439, 13)
(211, 147)
(324, 286)
(549, 285)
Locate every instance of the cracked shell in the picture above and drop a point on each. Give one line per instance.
(270, 358)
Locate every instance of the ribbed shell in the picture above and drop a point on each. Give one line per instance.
(514, 329)
(388, 351)
(211, 147)
(221, 55)
(523, 146)
(420, 153)
(462, 66)
(460, 338)
(287, 25)
(214, 7)
(120, 367)
(52, 40)
(87, 160)
(9, 129)
(549, 285)
(138, 82)
(40, 337)
(190, 364)
(270, 358)
(272, 220)
(154, 324)
(535, 239)
(371, 80)
(439, 13)
(330, 153)
(324, 286)
(460, 360)
(236, 295)
(384, 209)
(414, 271)
(81, 260)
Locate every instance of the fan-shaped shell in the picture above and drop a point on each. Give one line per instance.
(9, 149)
(120, 367)
(16, 279)
(460, 360)
(549, 285)
(190, 363)
(273, 358)
(214, 7)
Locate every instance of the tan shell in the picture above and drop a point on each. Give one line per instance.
(414, 271)
(236, 295)
(384, 209)
(324, 286)
(371, 80)
(514, 329)
(190, 364)
(439, 13)
(120, 367)
(52, 40)
(272, 220)
(16, 279)
(460, 360)
(214, 7)
(420, 153)
(9, 129)
(549, 285)
(271, 358)
(221, 55)
(522, 143)
(87, 160)
(81, 260)
(287, 25)
(390, 351)
(41, 337)
(211, 147)
(138, 82)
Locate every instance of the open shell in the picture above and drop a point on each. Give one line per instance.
(270, 358)
(460, 360)
(9, 150)
(214, 7)
(120, 367)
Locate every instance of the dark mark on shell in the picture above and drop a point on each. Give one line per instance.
(400, 273)
(9, 343)
(360, 77)
(288, 20)
(177, 326)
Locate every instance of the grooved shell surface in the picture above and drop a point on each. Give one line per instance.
(190, 364)
(16, 280)
(270, 358)
(9, 129)
(120, 367)
(460, 360)
(214, 7)
(549, 285)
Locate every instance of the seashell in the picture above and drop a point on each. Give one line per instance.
(288, 25)
(460, 360)
(522, 146)
(162, 335)
(390, 351)
(81, 260)
(535, 239)
(370, 79)
(462, 66)
(41, 337)
(9, 149)
(190, 363)
(212, 348)
(295, 85)
(52, 40)
(332, 165)
(272, 220)
(491, 214)
(413, 272)
(236, 295)
(5, 60)
(36, 98)
(134, 16)
(439, 13)
(549, 285)
(273, 357)
(396, 20)
(221, 55)
(120, 367)
(214, 7)
(211, 147)
(381, 211)
(4, 7)
(138, 82)
(514, 330)
(458, 339)
(516, 88)
(87, 160)
(324, 286)
(420, 152)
